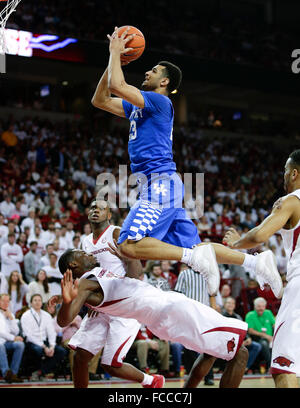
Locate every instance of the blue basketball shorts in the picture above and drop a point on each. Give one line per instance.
(170, 225)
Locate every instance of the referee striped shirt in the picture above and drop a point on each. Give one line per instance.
(193, 285)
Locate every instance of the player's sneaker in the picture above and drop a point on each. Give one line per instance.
(203, 260)
(158, 382)
(266, 272)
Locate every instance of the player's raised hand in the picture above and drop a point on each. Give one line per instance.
(231, 237)
(118, 44)
(68, 287)
(115, 250)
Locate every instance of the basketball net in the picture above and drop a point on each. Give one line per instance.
(9, 8)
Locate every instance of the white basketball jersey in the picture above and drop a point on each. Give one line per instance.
(291, 242)
(125, 297)
(100, 249)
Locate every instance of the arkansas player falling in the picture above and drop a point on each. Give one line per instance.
(114, 334)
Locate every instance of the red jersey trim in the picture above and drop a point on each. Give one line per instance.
(242, 334)
(112, 302)
(97, 239)
(295, 239)
(115, 362)
(277, 331)
(280, 371)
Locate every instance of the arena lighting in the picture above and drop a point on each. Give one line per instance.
(23, 43)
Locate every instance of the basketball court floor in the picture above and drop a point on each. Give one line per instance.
(249, 381)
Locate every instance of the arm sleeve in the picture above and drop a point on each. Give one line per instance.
(25, 326)
(4, 257)
(127, 108)
(4, 334)
(51, 331)
(14, 327)
(250, 321)
(20, 256)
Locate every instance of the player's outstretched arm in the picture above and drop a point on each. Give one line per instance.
(74, 295)
(116, 81)
(281, 213)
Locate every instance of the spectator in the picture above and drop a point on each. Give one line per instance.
(9, 341)
(38, 236)
(45, 260)
(11, 256)
(261, 323)
(54, 276)
(49, 234)
(28, 221)
(17, 289)
(225, 293)
(156, 279)
(3, 284)
(31, 261)
(3, 229)
(238, 274)
(7, 208)
(204, 226)
(38, 329)
(168, 274)
(39, 286)
(253, 347)
(145, 341)
(86, 231)
(76, 242)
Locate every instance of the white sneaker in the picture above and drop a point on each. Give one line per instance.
(203, 260)
(266, 272)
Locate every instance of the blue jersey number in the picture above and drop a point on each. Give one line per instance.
(132, 131)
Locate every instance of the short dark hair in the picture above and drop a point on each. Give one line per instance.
(295, 157)
(34, 295)
(11, 234)
(173, 73)
(65, 259)
(155, 264)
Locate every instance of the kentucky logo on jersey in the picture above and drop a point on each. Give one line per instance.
(230, 345)
(160, 189)
(283, 361)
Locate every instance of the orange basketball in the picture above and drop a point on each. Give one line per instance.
(137, 43)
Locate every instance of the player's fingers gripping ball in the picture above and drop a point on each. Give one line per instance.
(137, 43)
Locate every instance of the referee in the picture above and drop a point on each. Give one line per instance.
(193, 285)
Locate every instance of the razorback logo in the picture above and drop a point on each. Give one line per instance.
(230, 345)
(283, 361)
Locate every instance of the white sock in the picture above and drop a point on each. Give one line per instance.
(249, 262)
(186, 257)
(147, 379)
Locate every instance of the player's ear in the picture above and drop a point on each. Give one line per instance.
(295, 174)
(165, 82)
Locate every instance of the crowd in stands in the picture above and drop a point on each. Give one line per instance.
(206, 32)
(48, 179)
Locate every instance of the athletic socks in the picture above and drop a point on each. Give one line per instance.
(147, 379)
(186, 257)
(249, 262)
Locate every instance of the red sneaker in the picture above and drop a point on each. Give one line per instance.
(158, 382)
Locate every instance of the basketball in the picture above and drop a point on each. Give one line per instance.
(137, 43)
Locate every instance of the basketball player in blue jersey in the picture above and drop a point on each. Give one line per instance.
(157, 227)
